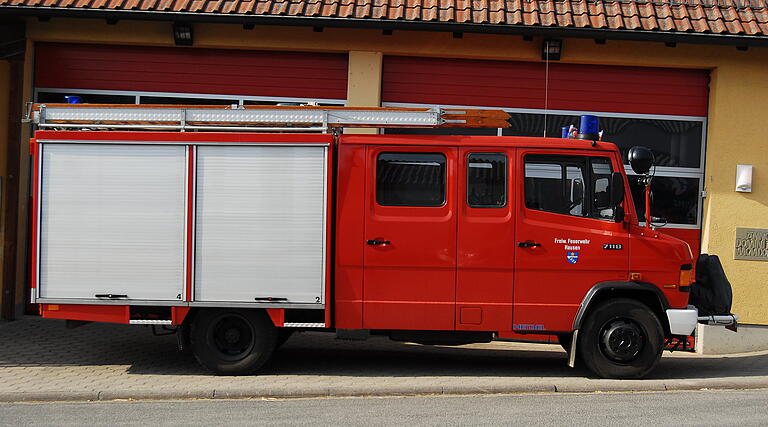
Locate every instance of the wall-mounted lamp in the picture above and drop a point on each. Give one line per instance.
(182, 34)
(744, 178)
(551, 50)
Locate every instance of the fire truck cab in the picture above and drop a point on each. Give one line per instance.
(483, 235)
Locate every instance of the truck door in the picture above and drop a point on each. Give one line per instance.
(566, 238)
(410, 238)
(486, 239)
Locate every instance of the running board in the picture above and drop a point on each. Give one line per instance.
(303, 325)
(149, 322)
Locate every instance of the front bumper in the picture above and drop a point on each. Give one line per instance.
(682, 321)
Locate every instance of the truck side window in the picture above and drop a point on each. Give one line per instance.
(410, 179)
(569, 185)
(486, 180)
(601, 181)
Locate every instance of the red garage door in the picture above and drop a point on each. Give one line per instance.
(522, 85)
(184, 70)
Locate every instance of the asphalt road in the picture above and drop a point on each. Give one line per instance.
(700, 408)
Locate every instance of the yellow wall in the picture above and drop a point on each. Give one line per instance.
(364, 83)
(737, 123)
(736, 127)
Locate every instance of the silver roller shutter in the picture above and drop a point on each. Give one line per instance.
(112, 221)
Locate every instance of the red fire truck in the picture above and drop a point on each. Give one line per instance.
(196, 219)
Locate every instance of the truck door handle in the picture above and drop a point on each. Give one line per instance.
(528, 244)
(377, 242)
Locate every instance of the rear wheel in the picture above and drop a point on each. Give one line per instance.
(621, 338)
(232, 341)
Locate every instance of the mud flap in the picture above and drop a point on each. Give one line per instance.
(572, 352)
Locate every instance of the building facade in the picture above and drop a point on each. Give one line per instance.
(688, 79)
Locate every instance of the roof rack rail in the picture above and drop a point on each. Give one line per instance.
(254, 118)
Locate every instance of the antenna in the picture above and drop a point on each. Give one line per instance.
(546, 83)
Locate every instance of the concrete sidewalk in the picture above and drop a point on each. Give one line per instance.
(40, 360)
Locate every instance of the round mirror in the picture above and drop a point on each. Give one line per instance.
(641, 159)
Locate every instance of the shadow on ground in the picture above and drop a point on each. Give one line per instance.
(41, 342)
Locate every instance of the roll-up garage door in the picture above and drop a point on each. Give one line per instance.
(574, 87)
(112, 221)
(199, 71)
(260, 224)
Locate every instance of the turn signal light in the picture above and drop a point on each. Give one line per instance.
(685, 278)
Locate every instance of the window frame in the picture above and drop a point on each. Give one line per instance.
(506, 180)
(444, 179)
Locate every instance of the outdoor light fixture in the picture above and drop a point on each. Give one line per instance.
(182, 34)
(744, 178)
(551, 50)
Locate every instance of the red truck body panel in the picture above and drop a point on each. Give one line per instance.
(447, 267)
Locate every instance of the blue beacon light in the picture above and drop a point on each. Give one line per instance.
(73, 99)
(589, 128)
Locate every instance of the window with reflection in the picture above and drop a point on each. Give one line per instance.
(486, 180)
(675, 200)
(410, 179)
(569, 185)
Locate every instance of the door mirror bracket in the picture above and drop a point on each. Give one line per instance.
(617, 196)
(618, 214)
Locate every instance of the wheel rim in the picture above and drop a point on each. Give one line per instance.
(622, 340)
(231, 336)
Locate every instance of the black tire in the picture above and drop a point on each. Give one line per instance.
(621, 338)
(232, 341)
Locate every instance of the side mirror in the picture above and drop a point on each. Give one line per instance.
(641, 159)
(617, 196)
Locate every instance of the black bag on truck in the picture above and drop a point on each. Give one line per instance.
(711, 292)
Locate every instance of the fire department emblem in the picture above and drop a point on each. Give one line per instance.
(572, 257)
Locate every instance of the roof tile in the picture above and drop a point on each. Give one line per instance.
(178, 5)
(312, 8)
(734, 17)
(396, 9)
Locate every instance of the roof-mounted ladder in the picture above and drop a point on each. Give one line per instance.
(253, 118)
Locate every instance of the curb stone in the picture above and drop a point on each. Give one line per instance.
(393, 391)
(49, 396)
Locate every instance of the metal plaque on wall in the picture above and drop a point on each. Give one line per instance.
(751, 244)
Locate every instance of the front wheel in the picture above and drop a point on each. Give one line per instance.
(621, 338)
(232, 341)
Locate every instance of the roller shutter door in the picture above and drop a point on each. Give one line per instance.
(573, 87)
(202, 71)
(112, 221)
(260, 224)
